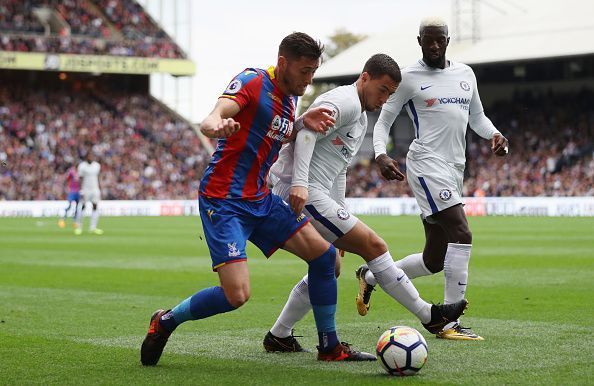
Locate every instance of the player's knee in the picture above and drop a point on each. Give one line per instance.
(463, 235)
(238, 298)
(434, 266)
(376, 246)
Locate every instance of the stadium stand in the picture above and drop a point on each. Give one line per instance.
(120, 28)
(146, 152)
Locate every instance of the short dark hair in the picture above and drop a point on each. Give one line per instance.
(300, 44)
(381, 64)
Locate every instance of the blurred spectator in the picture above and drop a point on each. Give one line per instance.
(145, 152)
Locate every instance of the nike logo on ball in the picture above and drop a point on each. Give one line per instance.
(425, 88)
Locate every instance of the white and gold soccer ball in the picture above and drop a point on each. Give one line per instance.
(402, 351)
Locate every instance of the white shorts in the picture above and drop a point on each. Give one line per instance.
(330, 219)
(436, 184)
(93, 196)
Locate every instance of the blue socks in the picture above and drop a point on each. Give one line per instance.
(323, 295)
(204, 303)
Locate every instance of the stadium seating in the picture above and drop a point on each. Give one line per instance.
(99, 27)
(145, 152)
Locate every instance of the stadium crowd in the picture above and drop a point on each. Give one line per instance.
(144, 151)
(147, 153)
(551, 148)
(120, 28)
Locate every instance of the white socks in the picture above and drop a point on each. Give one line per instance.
(395, 283)
(94, 220)
(295, 309)
(412, 265)
(455, 268)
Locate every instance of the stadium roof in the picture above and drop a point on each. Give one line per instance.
(515, 31)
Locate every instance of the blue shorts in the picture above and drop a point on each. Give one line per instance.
(73, 196)
(228, 224)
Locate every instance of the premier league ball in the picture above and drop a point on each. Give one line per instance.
(402, 351)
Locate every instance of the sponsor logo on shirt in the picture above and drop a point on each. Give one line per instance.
(337, 141)
(280, 128)
(463, 102)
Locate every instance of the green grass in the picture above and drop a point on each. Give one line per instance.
(74, 310)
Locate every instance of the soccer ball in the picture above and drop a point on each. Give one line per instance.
(402, 350)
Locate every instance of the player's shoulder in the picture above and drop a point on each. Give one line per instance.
(344, 98)
(413, 68)
(245, 77)
(462, 67)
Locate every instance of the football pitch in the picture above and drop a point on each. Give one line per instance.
(74, 309)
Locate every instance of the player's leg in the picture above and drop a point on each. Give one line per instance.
(281, 227)
(280, 337)
(307, 243)
(62, 221)
(76, 208)
(95, 197)
(225, 232)
(364, 242)
(79, 216)
(455, 265)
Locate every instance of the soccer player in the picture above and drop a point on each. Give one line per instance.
(88, 171)
(252, 119)
(73, 195)
(441, 98)
(311, 175)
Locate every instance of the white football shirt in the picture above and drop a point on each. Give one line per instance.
(324, 158)
(440, 103)
(89, 174)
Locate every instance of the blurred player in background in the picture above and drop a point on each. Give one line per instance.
(311, 174)
(73, 195)
(252, 119)
(88, 171)
(441, 98)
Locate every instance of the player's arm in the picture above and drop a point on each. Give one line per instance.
(483, 126)
(220, 123)
(304, 147)
(381, 133)
(305, 144)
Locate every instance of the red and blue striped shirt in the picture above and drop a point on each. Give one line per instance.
(239, 166)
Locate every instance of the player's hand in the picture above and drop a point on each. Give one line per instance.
(297, 198)
(499, 145)
(319, 119)
(389, 168)
(225, 128)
